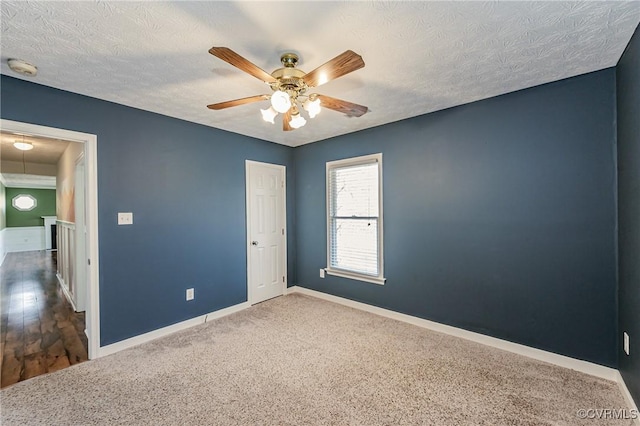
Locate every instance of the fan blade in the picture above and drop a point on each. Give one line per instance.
(344, 107)
(285, 121)
(241, 63)
(345, 63)
(236, 102)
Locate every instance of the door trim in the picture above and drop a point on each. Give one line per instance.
(81, 263)
(90, 142)
(283, 172)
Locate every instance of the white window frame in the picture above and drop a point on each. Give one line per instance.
(347, 162)
(15, 202)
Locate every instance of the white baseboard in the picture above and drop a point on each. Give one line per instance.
(3, 251)
(633, 408)
(549, 357)
(65, 290)
(161, 332)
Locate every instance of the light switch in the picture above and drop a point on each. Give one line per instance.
(125, 218)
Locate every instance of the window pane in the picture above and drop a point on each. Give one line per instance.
(354, 190)
(355, 218)
(355, 245)
(24, 202)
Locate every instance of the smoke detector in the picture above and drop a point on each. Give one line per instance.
(22, 67)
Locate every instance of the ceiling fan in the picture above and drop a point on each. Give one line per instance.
(290, 86)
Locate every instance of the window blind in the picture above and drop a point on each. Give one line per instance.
(354, 218)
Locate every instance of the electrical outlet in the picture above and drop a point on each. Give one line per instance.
(125, 218)
(626, 343)
(190, 294)
(321, 273)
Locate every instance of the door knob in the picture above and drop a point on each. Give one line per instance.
(254, 243)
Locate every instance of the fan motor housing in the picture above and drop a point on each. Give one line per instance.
(289, 78)
(288, 73)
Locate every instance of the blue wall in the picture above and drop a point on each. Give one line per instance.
(499, 216)
(628, 71)
(184, 183)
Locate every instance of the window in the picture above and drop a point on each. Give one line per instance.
(354, 218)
(24, 202)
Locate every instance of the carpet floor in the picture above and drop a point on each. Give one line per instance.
(298, 360)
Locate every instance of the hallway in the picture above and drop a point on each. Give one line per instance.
(40, 332)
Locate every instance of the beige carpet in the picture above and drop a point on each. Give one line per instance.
(297, 360)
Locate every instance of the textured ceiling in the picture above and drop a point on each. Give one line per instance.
(420, 56)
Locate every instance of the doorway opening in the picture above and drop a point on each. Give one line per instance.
(76, 229)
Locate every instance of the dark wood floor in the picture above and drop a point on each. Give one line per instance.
(39, 331)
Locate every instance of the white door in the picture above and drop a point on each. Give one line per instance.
(266, 233)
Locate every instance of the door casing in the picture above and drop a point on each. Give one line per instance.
(91, 201)
(81, 235)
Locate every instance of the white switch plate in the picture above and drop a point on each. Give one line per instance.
(321, 273)
(125, 218)
(626, 343)
(190, 294)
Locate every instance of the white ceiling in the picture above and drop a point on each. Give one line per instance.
(420, 56)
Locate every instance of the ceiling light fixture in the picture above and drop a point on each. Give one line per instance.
(269, 114)
(289, 89)
(312, 106)
(280, 101)
(22, 67)
(290, 85)
(297, 120)
(22, 145)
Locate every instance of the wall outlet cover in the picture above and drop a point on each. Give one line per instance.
(321, 273)
(125, 218)
(626, 343)
(190, 294)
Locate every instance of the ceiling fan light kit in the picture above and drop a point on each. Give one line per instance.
(290, 85)
(297, 120)
(312, 106)
(269, 114)
(281, 101)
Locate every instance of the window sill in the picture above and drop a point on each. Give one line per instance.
(359, 277)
